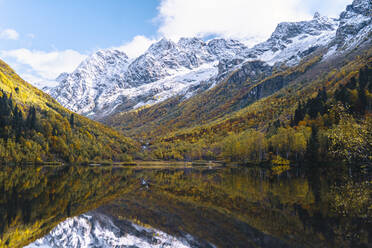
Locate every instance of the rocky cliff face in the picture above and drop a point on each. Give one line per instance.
(355, 25)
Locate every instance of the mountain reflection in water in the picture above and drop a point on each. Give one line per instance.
(197, 207)
(95, 229)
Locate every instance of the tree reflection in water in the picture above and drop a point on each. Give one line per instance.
(238, 207)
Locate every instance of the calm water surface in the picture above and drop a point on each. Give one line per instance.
(200, 207)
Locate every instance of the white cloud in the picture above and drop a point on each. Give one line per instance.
(9, 34)
(137, 46)
(42, 67)
(244, 19)
(241, 19)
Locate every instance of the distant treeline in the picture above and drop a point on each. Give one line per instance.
(30, 134)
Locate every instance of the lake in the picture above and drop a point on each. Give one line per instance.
(165, 206)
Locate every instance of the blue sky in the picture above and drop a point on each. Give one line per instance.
(42, 38)
(79, 25)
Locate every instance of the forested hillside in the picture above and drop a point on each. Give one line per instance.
(319, 109)
(35, 128)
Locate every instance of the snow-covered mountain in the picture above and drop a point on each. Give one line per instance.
(96, 229)
(292, 41)
(108, 82)
(99, 73)
(355, 25)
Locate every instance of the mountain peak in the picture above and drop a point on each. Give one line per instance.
(287, 30)
(194, 43)
(102, 57)
(110, 52)
(62, 76)
(316, 15)
(162, 45)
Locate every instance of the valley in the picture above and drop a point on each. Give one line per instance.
(186, 139)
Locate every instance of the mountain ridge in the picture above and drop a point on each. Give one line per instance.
(170, 68)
